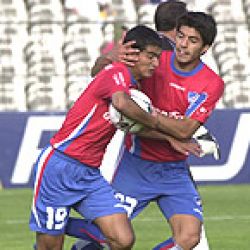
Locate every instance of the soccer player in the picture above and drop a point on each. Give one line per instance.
(67, 171)
(187, 90)
(165, 19)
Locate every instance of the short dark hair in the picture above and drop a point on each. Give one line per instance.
(143, 36)
(166, 14)
(202, 22)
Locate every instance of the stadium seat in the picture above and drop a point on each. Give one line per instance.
(36, 68)
(146, 14)
(124, 11)
(246, 8)
(13, 18)
(227, 50)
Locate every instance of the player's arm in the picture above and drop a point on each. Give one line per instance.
(126, 106)
(185, 147)
(182, 129)
(186, 128)
(178, 128)
(123, 103)
(121, 52)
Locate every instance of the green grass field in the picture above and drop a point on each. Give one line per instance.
(227, 220)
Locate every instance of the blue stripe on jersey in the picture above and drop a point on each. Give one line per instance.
(133, 80)
(195, 100)
(181, 73)
(76, 132)
(136, 147)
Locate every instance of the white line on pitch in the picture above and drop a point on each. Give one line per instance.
(213, 218)
(206, 218)
(10, 222)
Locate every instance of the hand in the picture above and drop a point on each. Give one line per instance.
(124, 52)
(186, 148)
(208, 143)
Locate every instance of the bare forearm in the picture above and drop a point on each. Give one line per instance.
(185, 147)
(100, 63)
(152, 134)
(178, 128)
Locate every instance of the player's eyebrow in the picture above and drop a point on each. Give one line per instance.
(192, 37)
(152, 53)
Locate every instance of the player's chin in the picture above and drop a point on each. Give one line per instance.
(183, 62)
(148, 73)
(183, 59)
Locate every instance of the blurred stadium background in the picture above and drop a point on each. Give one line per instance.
(47, 48)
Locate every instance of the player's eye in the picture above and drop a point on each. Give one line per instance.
(179, 35)
(150, 56)
(193, 40)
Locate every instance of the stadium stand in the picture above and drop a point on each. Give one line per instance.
(83, 38)
(47, 47)
(246, 8)
(13, 36)
(107, 22)
(125, 12)
(146, 14)
(232, 64)
(45, 65)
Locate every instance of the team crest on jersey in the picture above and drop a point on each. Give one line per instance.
(196, 97)
(195, 101)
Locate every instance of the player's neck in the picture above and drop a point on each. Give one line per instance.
(136, 77)
(134, 73)
(186, 67)
(171, 34)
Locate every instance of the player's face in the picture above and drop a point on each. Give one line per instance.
(189, 47)
(147, 62)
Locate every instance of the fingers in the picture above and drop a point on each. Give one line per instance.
(128, 63)
(128, 45)
(125, 53)
(184, 151)
(189, 148)
(129, 60)
(120, 41)
(127, 49)
(195, 149)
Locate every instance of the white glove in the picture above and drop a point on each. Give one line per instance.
(208, 143)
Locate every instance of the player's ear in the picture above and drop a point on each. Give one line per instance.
(205, 49)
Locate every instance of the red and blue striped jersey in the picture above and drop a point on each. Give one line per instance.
(87, 129)
(177, 94)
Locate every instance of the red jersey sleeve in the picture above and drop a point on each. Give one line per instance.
(115, 77)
